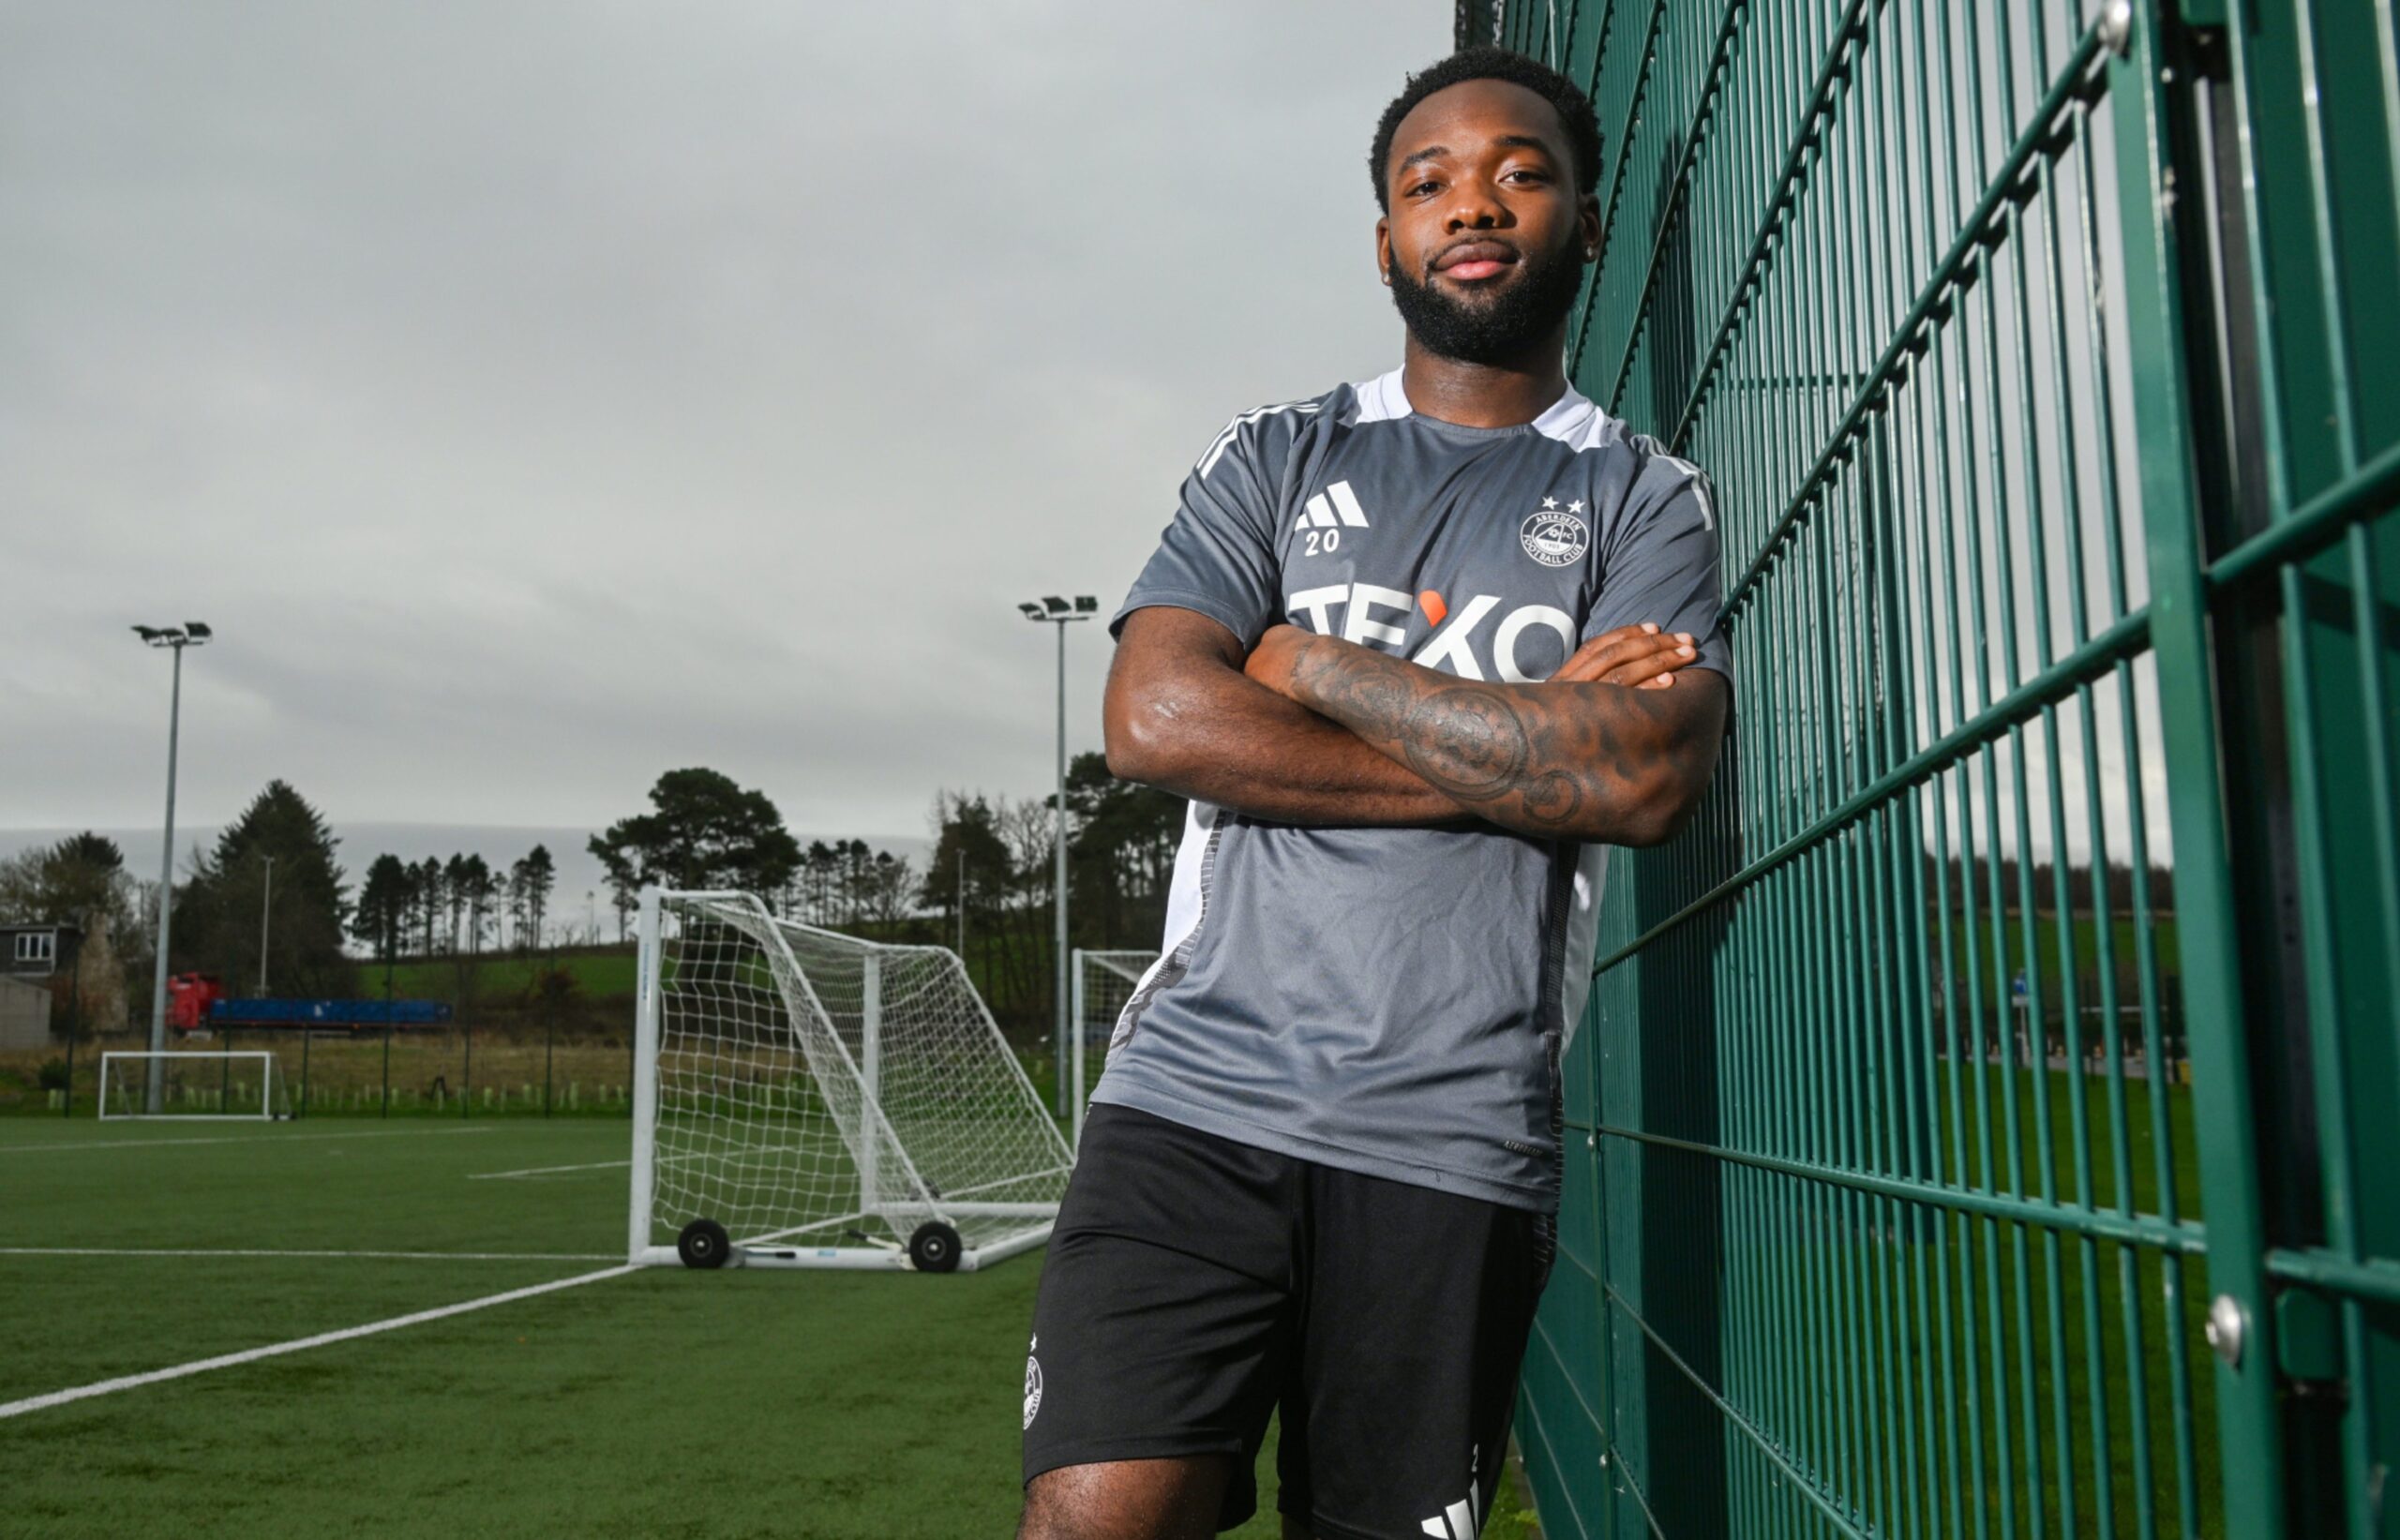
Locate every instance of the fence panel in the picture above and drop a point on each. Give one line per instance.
(1923, 1088)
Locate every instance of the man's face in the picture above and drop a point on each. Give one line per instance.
(1486, 239)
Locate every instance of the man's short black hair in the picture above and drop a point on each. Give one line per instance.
(1494, 64)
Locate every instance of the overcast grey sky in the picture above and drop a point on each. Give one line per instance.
(540, 396)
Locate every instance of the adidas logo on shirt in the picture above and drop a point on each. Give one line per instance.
(1336, 505)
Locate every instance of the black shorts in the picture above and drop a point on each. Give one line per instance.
(1194, 1285)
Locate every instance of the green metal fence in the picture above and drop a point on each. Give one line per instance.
(1988, 1115)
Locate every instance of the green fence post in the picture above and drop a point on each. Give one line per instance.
(307, 1036)
(387, 1066)
(67, 1105)
(549, 1054)
(2249, 1438)
(467, 1075)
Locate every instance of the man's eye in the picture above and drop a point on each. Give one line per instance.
(1423, 188)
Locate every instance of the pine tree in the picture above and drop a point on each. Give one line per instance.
(381, 919)
(218, 911)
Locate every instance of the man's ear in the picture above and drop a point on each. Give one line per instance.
(1382, 249)
(1587, 218)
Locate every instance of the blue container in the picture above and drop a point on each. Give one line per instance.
(353, 1013)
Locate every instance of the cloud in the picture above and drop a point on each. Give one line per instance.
(539, 399)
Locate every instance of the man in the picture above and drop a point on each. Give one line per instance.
(1322, 1160)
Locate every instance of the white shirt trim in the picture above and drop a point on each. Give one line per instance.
(1572, 420)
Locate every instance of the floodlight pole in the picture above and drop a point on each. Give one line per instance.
(191, 633)
(1057, 612)
(1058, 1044)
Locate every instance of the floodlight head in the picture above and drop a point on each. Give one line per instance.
(1057, 604)
(1032, 612)
(148, 633)
(197, 630)
(1086, 604)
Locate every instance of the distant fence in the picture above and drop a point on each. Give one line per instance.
(454, 1071)
(2047, 362)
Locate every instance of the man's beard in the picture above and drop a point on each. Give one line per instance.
(1495, 331)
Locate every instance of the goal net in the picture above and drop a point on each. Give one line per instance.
(194, 1083)
(807, 1099)
(1103, 982)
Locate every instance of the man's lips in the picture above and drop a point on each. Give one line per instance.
(1469, 261)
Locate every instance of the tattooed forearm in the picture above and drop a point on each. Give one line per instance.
(1580, 760)
(1468, 742)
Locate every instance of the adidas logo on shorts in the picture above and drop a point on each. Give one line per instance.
(1455, 1523)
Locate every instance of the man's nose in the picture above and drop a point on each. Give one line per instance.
(1473, 206)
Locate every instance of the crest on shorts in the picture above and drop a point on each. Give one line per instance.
(1556, 536)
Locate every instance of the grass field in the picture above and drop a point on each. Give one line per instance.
(598, 972)
(658, 1402)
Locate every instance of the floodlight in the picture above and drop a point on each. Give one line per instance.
(1057, 604)
(197, 630)
(1086, 604)
(151, 633)
(1032, 612)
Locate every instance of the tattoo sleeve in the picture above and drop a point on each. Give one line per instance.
(1575, 761)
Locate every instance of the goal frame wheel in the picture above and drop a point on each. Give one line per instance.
(704, 1244)
(934, 1247)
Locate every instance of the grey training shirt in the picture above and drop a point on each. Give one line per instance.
(1394, 1001)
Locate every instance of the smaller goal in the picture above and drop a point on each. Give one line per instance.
(1103, 982)
(234, 1082)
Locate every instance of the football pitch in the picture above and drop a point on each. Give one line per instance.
(654, 1402)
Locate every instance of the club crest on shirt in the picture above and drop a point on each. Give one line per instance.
(1556, 536)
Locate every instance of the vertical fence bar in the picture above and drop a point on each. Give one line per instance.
(2248, 1437)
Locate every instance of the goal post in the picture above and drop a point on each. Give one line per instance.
(194, 1085)
(807, 1099)
(1104, 981)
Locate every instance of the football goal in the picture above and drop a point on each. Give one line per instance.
(194, 1083)
(1103, 982)
(806, 1098)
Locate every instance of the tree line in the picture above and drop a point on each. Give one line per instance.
(985, 889)
(455, 907)
(988, 886)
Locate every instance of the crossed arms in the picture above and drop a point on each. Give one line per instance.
(1617, 746)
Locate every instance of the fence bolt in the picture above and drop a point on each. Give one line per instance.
(2117, 26)
(2225, 1329)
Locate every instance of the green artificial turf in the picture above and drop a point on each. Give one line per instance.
(660, 1402)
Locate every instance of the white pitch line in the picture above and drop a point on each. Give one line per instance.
(664, 1161)
(234, 1251)
(251, 1356)
(254, 1138)
(542, 1170)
